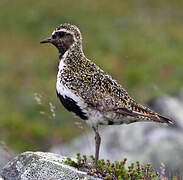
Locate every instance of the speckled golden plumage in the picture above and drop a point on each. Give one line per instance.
(88, 91)
(98, 89)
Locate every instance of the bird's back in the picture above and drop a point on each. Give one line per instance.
(101, 94)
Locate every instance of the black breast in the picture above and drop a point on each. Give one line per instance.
(72, 106)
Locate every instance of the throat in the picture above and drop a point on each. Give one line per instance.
(62, 51)
(71, 54)
(62, 62)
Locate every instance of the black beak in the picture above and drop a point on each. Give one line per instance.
(48, 40)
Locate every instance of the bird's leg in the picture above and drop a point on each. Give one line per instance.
(97, 145)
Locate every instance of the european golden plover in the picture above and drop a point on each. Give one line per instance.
(89, 92)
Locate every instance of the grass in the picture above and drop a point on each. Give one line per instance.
(138, 42)
(117, 170)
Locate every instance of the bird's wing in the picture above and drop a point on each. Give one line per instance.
(117, 99)
(100, 91)
(142, 112)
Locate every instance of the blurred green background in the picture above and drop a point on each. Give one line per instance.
(139, 42)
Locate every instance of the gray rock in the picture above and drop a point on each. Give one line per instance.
(147, 142)
(42, 166)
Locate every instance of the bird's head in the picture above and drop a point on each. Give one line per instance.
(64, 36)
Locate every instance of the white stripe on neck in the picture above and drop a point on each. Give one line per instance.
(62, 89)
(61, 63)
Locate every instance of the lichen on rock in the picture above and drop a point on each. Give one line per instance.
(42, 166)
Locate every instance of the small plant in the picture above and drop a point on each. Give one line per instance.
(113, 171)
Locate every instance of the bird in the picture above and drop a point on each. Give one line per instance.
(89, 92)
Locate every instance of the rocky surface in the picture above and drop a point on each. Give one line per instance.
(42, 166)
(148, 142)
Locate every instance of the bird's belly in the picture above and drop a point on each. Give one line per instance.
(72, 106)
(71, 101)
(76, 105)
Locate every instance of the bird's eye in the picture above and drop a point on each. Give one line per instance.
(53, 36)
(61, 34)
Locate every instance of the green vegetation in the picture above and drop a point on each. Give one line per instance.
(138, 42)
(117, 170)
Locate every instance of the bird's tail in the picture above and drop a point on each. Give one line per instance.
(163, 119)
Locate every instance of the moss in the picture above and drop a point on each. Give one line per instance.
(114, 170)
